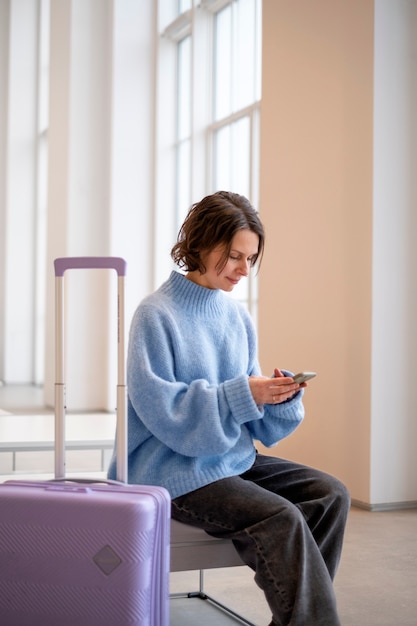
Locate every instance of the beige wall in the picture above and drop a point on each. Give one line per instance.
(316, 203)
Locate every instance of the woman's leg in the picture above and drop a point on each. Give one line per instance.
(323, 500)
(273, 536)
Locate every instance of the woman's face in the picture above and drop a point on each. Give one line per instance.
(244, 247)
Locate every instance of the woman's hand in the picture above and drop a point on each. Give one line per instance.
(273, 390)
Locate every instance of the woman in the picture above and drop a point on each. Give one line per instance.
(197, 404)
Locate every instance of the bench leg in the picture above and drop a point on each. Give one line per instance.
(202, 595)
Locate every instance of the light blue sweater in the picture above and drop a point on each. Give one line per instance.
(191, 416)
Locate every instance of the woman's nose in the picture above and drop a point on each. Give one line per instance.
(244, 267)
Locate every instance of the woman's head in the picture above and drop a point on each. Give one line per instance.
(212, 224)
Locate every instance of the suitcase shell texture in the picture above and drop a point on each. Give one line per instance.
(84, 553)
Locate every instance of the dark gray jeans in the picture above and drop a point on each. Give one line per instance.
(287, 522)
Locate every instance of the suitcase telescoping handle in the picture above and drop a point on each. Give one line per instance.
(61, 265)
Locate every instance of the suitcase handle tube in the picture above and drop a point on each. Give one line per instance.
(61, 265)
(90, 262)
(65, 263)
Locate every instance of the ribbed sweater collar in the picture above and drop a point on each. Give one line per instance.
(193, 297)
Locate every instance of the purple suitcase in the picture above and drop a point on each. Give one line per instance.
(81, 553)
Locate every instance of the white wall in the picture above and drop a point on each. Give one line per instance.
(18, 186)
(394, 294)
(101, 172)
(100, 197)
(79, 188)
(4, 56)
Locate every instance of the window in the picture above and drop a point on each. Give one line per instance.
(213, 47)
(236, 94)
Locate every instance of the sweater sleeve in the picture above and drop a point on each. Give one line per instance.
(278, 420)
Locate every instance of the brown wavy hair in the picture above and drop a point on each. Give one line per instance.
(213, 222)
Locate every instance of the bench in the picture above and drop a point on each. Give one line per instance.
(23, 434)
(13, 447)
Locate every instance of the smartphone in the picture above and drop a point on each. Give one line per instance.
(303, 377)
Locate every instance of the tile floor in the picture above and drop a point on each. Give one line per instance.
(376, 584)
